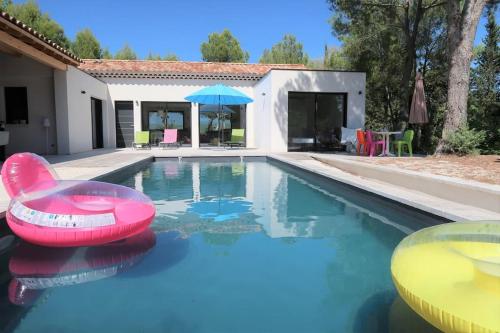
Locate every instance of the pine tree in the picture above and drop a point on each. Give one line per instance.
(126, 53)
(223, 47)
(86, 45)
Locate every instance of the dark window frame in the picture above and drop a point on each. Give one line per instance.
(316, 94)
(199, 123)
(145, 120)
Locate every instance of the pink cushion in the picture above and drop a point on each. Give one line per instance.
(170, 136)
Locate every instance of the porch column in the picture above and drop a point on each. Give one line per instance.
(195, 125)
(137, 116)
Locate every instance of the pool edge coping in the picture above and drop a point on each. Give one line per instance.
(354, 182)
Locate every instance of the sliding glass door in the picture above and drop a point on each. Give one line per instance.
(218, 122)
(157, 116)
(315, 120)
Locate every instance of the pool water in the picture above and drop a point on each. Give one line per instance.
(250, 246)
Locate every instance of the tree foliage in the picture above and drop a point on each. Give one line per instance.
(399, 20)
(167, 57)
(484, 100)
(125, 53)
(30, 14)
(86, 45)
(106, 54)
(287, 51)
(223, 47)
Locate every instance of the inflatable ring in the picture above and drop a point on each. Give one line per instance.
(450, 275)
(51, 212)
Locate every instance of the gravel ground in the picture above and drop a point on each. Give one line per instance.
(482, 168)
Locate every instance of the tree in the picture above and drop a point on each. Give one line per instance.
(86, 45)
(167, 57)
(287, 51)
(4, 4)
(462, 19)
(223, 47)
(29, 13)
(404, 15)
(152, 56)
(106, 54)
(126, 53)
(334, 58)
(171, 57)
(484, 99)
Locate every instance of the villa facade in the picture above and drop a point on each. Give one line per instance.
(51, 102)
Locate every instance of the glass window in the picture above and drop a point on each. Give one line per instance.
(175, 120)
(16, 105)
(156, 116)
(218, 122)
(315, 120)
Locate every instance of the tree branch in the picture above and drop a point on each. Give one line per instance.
(434, 4)
(377, 4)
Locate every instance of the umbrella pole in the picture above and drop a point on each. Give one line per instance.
(218, 142)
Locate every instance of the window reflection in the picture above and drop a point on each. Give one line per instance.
(218, 121)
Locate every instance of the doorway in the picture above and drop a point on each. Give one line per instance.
(124, 115)
(315, 120)
(97, 123)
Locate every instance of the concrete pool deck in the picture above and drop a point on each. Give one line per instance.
(96, 164)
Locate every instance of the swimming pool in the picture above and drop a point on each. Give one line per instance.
(252, 246)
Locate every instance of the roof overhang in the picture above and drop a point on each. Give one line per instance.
(176, 75)
(18, 39)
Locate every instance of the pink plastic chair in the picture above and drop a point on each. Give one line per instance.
(372, 145)
(169, 138)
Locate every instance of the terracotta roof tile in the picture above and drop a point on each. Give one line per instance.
(104, 67)
(38, 36)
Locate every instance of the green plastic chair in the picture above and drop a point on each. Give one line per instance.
(406, 140)
(237, 137)
(141, 140)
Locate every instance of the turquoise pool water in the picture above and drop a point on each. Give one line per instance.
(236, 247)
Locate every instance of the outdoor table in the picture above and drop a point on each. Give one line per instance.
(386, 135)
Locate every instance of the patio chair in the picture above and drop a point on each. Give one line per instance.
(237, 138)
(141, 140)
(360, 137)
(405, 141)
(169, 138)
(372, 145)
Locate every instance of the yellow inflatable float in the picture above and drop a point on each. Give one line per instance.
(450, 275)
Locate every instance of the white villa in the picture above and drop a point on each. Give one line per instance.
(51, 102)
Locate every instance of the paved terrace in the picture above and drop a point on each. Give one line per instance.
(95, 164)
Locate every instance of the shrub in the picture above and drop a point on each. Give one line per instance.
(464, 141)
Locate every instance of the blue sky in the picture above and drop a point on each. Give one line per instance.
(181, 26)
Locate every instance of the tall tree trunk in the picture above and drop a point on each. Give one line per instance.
(411, 32)
(462, 26)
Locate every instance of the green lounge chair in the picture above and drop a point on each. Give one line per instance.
(406, 140)
(141, 140)
(237, 138)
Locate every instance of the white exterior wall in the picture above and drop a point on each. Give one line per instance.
(262, 113)
(172, 90)
(38, 79)
(74, 121)
(266, 117)
(276, 85)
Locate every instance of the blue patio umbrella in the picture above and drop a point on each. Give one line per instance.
(220, 209)
(220, 95)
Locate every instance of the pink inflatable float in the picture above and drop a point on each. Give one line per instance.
(51, 212)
